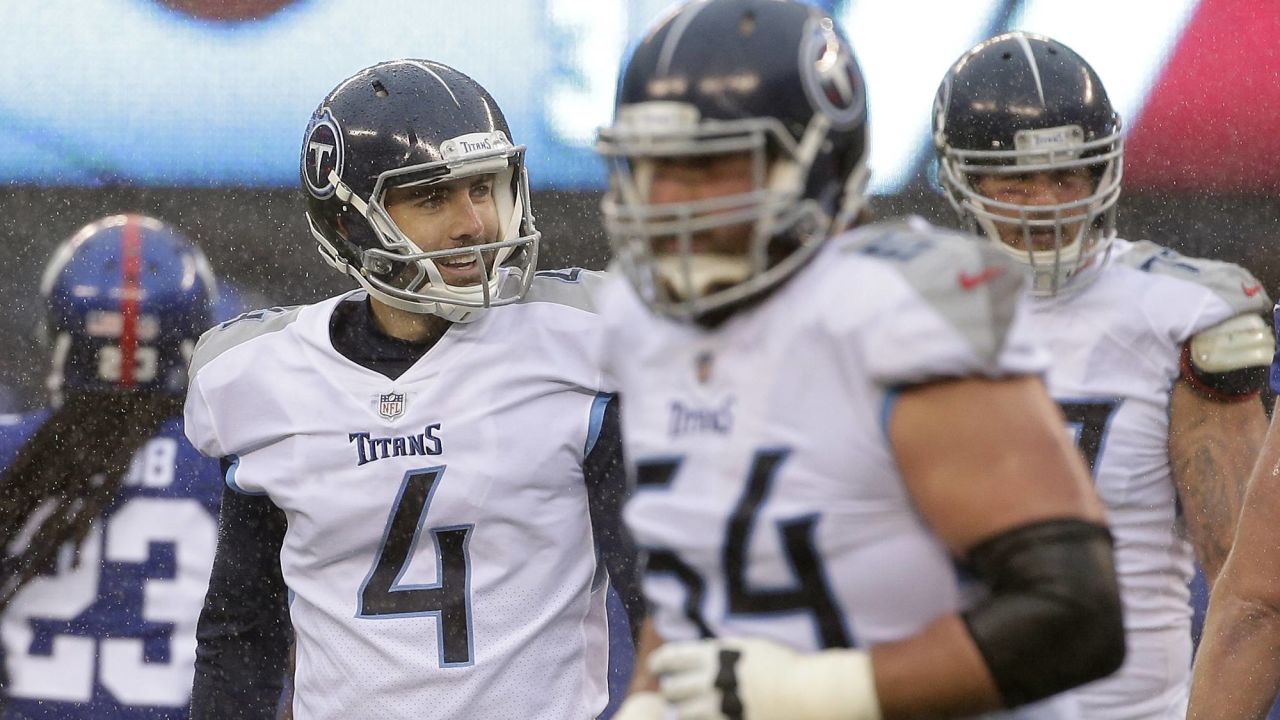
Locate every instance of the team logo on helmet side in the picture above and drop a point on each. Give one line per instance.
(322, 155)
(832, 80)
(940, 103)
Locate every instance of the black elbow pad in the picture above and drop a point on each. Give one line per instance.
(1052, 620)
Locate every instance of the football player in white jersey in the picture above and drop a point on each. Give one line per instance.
(416, 468)
(109, 518)
(823, 425)
(1158, 359)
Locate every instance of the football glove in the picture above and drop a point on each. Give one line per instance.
(752, 679)
(642, 706)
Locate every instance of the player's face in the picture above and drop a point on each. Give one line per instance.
(449, 215)
(704, 177)
(1036, 189)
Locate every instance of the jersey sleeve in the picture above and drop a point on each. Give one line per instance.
(617, 306)
(578, 331)
(605, 474)
(1222, 290)
(198, 422)
(226, 388)
(243, 636)
(945, 306)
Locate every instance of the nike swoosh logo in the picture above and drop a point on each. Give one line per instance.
(969, 282)
(1251, 290)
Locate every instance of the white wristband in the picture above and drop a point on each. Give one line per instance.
(642, 706)
(835, 684)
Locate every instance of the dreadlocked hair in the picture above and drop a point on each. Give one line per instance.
(67, 473)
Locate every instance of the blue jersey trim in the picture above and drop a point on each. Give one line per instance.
(886, 409)
(598, 406)
(231, 477)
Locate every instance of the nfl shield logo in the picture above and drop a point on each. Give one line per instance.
(391, 405)
(702, 366)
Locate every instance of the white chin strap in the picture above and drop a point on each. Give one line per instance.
(1049, 270)
(694, 276)
(448, 311)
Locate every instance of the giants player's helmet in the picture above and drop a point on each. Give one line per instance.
(409, 123)
(1019, 104)
(775, 79)
(127, 298)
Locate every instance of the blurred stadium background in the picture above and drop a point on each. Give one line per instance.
(193, 111)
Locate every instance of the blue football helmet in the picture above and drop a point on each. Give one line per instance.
(1019, 104)
(410, 123)
(775, 79)
(127, 297)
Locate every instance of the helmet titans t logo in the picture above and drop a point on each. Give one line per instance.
(832, 80)
(322, 155)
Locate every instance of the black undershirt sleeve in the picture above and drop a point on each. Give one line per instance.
(244, 633)
(606, 478)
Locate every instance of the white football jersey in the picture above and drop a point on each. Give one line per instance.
(766, 496)
(439, 553)
(1116, 345)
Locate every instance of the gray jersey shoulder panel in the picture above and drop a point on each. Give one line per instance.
(973, 286)
(240, 330)
(575, 287)
(1234, 284)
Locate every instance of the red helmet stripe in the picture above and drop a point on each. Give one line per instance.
(130, 289)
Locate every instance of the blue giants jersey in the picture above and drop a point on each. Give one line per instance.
(109, 632)
(1275, 362)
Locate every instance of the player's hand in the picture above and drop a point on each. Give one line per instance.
(642, 706)
(762, 680)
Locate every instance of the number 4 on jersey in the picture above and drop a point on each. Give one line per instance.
(449, 598)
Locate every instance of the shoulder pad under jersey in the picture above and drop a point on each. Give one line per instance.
(973, 286)
(240, 329)
(574, 287)
(1235, 285)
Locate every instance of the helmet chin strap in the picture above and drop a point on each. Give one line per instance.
(1049, 270)
(696, 275)
(448, 311)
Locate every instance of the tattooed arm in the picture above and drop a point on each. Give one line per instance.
(1212, 448)
(1242, 630)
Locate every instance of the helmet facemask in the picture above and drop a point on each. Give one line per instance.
(399, 273)
(1082, 230)
(658, 245)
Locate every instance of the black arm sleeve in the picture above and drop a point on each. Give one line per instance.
(1053, 619)
(243, 637)
(606, 479)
